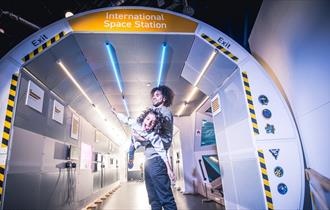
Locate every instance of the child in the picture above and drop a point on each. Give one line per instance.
(151, 120)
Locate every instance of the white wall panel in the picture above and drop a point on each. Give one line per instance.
(316, 138)
(291, 40)
(186, 125)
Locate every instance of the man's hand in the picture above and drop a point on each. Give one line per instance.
(170, 172)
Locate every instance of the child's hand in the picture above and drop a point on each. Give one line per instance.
(172, 175)
(138, 137)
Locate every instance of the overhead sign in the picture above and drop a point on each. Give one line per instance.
(132, 20)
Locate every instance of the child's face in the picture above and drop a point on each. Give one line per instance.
(149, 122)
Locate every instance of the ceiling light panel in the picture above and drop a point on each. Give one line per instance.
(162, 63)
(115, 66)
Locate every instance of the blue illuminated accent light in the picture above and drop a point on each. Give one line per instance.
(115, 67)
(114, 62)
(162, 59)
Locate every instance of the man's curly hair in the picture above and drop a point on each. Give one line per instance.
(159, 122)
(166, 92)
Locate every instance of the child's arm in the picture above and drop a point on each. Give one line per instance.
(170, 172)
(123, 118)
(139, 133)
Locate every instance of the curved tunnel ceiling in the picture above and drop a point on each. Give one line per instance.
(138, 56)
(139, 60)
(81, 47)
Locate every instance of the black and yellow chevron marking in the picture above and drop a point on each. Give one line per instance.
(9, 112)
(265, 180)
(313, 200)
(43, 46)
(219, 47)
(250, 103)
(2, 178)
(8, 125)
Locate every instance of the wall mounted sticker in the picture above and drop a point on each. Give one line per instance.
(278, 171)
(282, 188)
(275, 152)
(270, 128)
(74, 126)
(266, 113)
(58, 112)
(263, 99)
(34, 96)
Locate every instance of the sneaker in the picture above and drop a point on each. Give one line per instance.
(131, 151)
(130, 164)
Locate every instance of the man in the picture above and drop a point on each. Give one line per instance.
(157, 176)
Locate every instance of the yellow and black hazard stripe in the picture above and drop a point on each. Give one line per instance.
(250, 103)
(8, 125)
(265, 180)
(219, 47)
(313, 200)
(2, 178)
(43, 46)
(9, 112)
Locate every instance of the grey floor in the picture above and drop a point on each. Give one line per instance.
(133, 195)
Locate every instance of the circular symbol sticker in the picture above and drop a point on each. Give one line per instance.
(278, 171)
(267, 113)
(282, 188)
(263, 99)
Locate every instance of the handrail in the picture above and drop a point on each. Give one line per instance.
(320, 186)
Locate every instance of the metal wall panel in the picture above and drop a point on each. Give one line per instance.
(84, 188)
(26, 152)
(54, 191)
(110, 176)
(97, 180)
(42, 122)
(23, 192)
(25, 114)
(38, 151)
(249, 185)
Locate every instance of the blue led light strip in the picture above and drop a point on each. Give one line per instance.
(113, 59)
(161, 67)
(115, 67)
